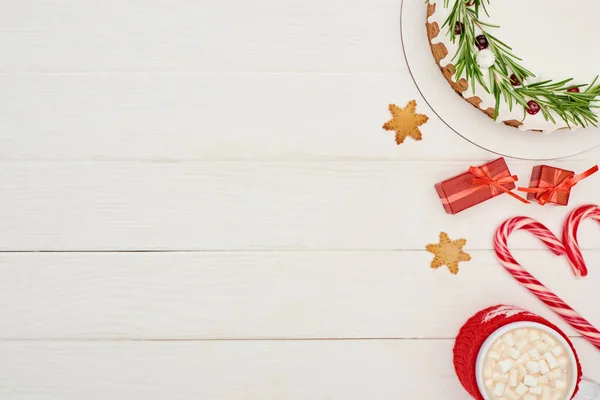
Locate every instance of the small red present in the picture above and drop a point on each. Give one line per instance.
(553, 185)
(477, 185)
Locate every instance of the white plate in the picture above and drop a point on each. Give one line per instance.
(466, 120)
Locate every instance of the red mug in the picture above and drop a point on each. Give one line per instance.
(484, 328)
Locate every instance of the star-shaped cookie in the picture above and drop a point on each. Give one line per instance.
(405, 122)
(448, 252)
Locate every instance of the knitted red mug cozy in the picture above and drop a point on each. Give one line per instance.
(479, 327)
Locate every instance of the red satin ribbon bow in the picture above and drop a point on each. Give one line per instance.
(483, 178)
(549, 191)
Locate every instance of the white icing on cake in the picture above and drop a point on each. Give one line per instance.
(542, 58)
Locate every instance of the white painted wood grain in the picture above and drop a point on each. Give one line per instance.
(253, 206)
(214, 117)
(188, 116)
(208, 35)
(263, 370)
(227, 370)
(274, 295)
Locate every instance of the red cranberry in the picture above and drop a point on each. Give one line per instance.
(459, 27)
(573, 90)
(533, 107)
(481, 42)
(514, 80)
(470, 3)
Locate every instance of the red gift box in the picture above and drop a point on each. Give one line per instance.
(553, 185)
(476, 186)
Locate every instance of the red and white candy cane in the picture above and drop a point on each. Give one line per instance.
(533, 285)
(570, 236)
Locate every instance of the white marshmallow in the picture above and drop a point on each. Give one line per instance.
(560, 384)
(522, 372)
(487, 372)
(563, 363)
(512, 380)
(506, 365)
(521, 332)
(530, 380)
(557, 396)
(489, 383)
(508, 340)
(555, 374)
(511, 395)
(500, 378)
(530, 396)
(535, 390)
(534, 353)
(543, 380)
(514, 353)
(544, 369)
(521, 389)
(533, 335)
(546, 338)
(552, 361)
(521, 343)
(533, 367)
(523, 359)
(542, 346)
(499, 389)
(492, 355)
(546, 393)
(557, 351)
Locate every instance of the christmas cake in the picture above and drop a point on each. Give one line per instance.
(525, 91)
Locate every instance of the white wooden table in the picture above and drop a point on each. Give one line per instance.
(198, 202)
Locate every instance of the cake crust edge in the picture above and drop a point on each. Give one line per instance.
(440, 51)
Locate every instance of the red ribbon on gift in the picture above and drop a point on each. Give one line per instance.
(549, 191)
(483, 178)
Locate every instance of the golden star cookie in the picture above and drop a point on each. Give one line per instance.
(448, 252)
(405, 122)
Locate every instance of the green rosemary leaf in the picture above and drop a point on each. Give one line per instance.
(488, 24)
(484, 7)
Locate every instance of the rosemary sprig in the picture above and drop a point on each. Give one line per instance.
(574, 108)
(466, 54)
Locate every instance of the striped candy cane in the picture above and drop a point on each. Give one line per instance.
(533, 285)
(570, 236)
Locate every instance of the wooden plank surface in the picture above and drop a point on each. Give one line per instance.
(209, 35)
(188, 116)
(253, 206)
(191, 116)
(266, 295)
(232, 370)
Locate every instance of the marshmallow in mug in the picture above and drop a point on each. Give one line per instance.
(528, 364)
